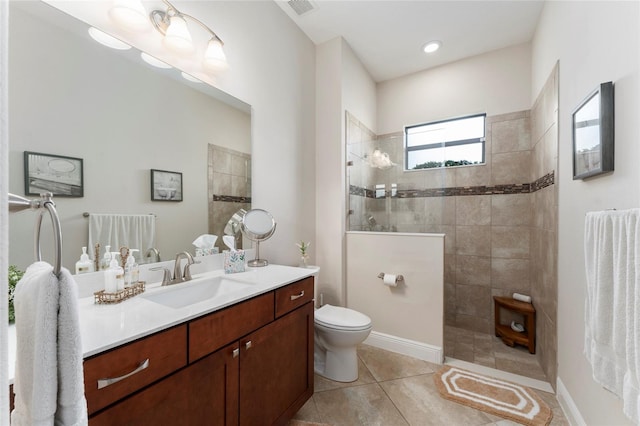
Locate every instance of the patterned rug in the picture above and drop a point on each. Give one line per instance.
(505, 399)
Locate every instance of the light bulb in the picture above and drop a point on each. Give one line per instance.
(178, 37)
(214, 57)
(130, 15)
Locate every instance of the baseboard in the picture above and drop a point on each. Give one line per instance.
(569, 407)
(407, 347)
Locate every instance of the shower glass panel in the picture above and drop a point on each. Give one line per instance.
(382, 196)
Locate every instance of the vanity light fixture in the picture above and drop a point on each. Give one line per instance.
(107, 40)
(431, 46)
(130, 15)
(172, 24)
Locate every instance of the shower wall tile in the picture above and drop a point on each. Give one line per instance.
(537, 160)
(473, 210)
(473, 240)
(434, 208)
(551, 149)
(221, 183)
(509, 116)
(474, 175)
(222, 161)
(511, 242)
(511, 135)
(472, 323)
(511, 209)
(449, 210)
(473, 270)
(511, 274)
(510, 167)
(469, 300)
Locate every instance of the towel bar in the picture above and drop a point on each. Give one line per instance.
(18, 203)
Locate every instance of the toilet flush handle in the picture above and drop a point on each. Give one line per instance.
(297, 296)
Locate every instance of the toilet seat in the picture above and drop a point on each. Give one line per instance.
(339, 318)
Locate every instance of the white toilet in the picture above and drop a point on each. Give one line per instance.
(338, 331)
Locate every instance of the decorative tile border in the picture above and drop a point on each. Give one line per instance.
(231, 199)
(522, 188)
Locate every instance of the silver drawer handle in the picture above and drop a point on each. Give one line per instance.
(297, 296)
(103, 383)
(236, 352)
(248, 345)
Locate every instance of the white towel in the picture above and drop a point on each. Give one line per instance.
(49, 382)
(612, 311)
(118, 230)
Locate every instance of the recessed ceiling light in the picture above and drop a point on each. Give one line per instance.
(152, 60)
(432, 46)
(107, 40)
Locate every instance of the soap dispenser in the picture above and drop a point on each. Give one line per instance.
(114, 276)
(131, 270)
(85, 264)
(106, 259)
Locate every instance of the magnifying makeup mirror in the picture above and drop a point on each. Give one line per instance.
(258, 225)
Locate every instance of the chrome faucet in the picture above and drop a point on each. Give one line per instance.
(178, 275)
(153, 252)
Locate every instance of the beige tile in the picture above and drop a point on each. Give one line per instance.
(511, 209)
(482, 325)
(511, 274)
(550, 157)
(322, 384)
(511, 135)
(510, 168)
(221, 161)
(510, 242)
(359, 405)
(420, 403)
(473, 240)
(473, 210)
(473, 300)
(537, 161)
(221, 183)
(385, 365)
(474, 175)
(473, 270)
(308, 413)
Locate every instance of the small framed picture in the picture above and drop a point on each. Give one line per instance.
(62, 176)
(593, 138)
(166, 186)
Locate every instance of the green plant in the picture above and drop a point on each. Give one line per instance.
(303, 248)
(15, 275)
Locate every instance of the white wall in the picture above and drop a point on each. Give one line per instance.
(496, 83)
(122, 119)
(594, 42)
(413, 310)
(342, 84)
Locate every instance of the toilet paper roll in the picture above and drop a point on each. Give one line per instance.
(522, 297)
(389, 280)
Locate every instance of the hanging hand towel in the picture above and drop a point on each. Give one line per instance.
(49, 384)
(612, 313)
(134, 231)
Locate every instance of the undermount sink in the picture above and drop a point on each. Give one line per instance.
(185, 294)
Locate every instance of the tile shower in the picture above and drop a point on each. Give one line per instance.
(499, 218)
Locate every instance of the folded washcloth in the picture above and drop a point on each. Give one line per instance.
(49, 384)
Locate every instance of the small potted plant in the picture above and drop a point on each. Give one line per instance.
(14, 276)
(304, 257)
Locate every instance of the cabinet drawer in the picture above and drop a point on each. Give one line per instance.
(209, 333)
(113, 375)
(293, 296)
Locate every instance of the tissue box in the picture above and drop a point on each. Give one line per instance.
(206, 251)
(233, 261)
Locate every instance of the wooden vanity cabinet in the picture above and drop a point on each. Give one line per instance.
(248, 364)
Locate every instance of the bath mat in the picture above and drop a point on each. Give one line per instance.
(494, 396)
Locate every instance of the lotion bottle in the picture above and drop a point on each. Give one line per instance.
(84, 265)
(131, 270)
(114, 276)
(106, 260)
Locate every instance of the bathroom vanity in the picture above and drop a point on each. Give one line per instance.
(245, 357)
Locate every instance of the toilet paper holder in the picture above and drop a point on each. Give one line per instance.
(399, 278)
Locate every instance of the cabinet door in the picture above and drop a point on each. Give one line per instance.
(276, 369)
(205, 393)
(213, 388)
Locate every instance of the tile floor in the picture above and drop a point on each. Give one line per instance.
(489, 351)
(394, 389)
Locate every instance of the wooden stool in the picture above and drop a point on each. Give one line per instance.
(509, 336)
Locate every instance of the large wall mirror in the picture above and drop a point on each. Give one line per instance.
(70, 96)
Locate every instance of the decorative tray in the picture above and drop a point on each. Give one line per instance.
(122, 295)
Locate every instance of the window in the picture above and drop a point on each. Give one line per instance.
(447, 143)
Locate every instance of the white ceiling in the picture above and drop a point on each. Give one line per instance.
(387, 36)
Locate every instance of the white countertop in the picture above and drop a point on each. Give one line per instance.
(107, 326)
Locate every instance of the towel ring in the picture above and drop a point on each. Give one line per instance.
(17, 203)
